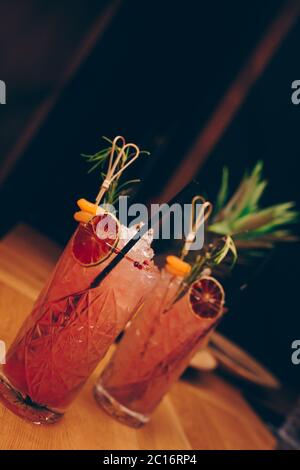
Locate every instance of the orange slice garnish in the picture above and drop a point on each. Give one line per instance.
(94, 241)
(177, 266)
(82, 216)
(206, 297)
(87, 206)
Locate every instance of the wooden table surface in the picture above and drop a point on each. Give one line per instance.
(206, 414)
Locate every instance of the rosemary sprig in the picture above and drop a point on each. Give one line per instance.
(211, 256)
(99, 161)
(220, 250)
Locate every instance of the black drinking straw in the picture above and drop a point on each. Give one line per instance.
(152, 221)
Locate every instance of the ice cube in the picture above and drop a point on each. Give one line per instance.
(142, 250)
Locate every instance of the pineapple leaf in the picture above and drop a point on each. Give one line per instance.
(243, 220)
(223, 192)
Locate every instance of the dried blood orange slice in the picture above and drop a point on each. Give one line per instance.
(206, 297)
(94, 242)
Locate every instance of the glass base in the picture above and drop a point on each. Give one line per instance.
(118, 411)
(24, 407)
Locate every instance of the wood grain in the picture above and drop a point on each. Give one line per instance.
(26, 260)
(215, 416)
(205, 414)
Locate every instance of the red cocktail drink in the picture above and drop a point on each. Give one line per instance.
(69, 331)
(157, 347)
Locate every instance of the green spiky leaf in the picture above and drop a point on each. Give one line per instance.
(242, 218)
(223, 192)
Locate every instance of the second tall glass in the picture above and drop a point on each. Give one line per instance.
(158, 346)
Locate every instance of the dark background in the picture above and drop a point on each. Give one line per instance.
(154, 72)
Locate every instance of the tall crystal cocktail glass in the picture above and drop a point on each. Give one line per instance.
(154, 352)
(68, 332)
